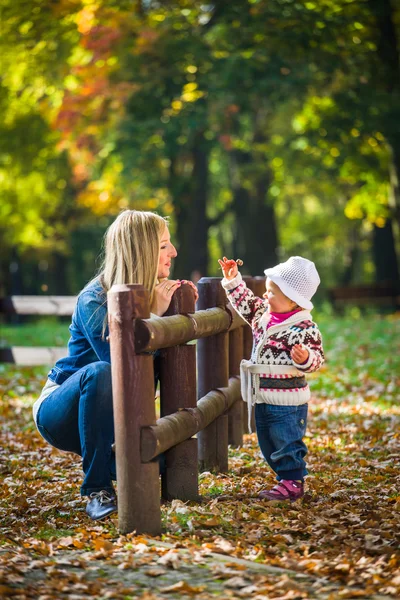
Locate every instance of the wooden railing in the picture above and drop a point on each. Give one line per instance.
(384, 294)
(214, 413)
(199, 390)
(60, 306)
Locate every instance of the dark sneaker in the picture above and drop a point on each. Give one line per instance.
(287, 489)
(100, 505)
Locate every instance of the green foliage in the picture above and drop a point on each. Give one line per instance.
(43, 332)
(34, 175)
(223, 116)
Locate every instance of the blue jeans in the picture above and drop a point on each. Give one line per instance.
(78, 417)
(280, 431)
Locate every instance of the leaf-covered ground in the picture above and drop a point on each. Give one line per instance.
(340, 541)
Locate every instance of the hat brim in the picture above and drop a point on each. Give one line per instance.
(288, 291)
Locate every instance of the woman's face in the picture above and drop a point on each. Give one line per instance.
(167, 253)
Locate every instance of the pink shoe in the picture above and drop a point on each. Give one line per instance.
(287, 489)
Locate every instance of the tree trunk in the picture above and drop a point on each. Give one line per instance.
(16, 279)
(384, 253)
(59, 275)
(389, 77)
(256, 239)
(352, 255)
(256, 235)
(198, 225)
(191, 210)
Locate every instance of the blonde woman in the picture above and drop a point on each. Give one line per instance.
(74, 412)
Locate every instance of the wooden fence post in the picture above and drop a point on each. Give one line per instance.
(212, 372)
(134, 408)
(178, 390)
(235, 414)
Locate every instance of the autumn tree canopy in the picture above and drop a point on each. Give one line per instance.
(262, 128)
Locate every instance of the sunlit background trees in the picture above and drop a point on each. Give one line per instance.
(262, 128)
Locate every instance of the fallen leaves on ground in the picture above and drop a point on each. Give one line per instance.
(345, 532)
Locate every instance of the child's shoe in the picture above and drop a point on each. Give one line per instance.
(286, 489)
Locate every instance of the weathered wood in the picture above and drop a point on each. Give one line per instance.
(235, 414)
(181, 478)
(38, 305)
(32, 355)
(177, 391)
(174, 429)
(258, 286)
(382, 294)
(134, 408)
(150, 334)
(212, 372)
(155, 333)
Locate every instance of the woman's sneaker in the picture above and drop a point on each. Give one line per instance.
(286, 489)
(100, 505)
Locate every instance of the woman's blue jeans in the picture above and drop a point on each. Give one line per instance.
(78, 417)
(280, 431)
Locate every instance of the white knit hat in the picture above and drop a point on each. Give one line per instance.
(297, 278)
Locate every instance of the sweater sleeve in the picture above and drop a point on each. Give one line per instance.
(249, 306)
(312, 340)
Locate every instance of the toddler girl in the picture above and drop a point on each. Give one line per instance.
(286, 345)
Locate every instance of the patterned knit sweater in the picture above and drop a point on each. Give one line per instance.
(271, 376)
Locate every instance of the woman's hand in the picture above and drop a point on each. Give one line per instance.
(162, 295)
(299, 354)
(229, 267)
(196, 293)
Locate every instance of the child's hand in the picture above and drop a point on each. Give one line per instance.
(229, 267)
(299, 354)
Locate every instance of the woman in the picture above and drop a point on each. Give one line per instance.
(75, 411)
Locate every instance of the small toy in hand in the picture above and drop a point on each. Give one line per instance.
(239, 263)
(230, 264)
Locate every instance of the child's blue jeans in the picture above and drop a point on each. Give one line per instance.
(280, 431)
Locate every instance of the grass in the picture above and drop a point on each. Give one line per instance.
(363, 358)
(47, 331)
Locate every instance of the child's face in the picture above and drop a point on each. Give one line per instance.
(277, 301)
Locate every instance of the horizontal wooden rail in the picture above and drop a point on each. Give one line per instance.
(38, 305)
(32, 356)
(382, 294)
(152, 334)
(173, 429)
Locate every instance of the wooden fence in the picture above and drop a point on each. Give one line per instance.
(60, 306)
(215, 413)
(200, 399)
(383, 295)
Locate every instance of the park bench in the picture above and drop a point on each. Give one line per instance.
(202, 401)
(384, 294)
(40, 306)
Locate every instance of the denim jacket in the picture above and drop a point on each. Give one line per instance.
(87, 343)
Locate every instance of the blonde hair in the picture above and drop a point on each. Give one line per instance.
(132, 250)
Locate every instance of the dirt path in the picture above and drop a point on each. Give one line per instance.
(150, 570)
